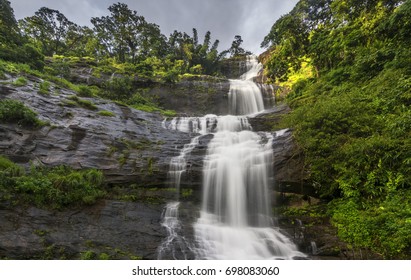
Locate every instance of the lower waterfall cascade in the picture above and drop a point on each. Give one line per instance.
(235, 220)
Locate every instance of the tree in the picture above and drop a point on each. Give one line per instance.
(186, 48)
(9, 31)
(119, 33)
(236, 49)
(48, 29)
(13, 46)
(152, 42)
(195, 37)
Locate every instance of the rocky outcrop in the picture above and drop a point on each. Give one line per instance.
(193, 95)
(118, 229)
(234, 67)
(130, 147)
(288, 166)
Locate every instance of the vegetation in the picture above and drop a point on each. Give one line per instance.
(121, 45)
(13, 111)
(348, 67)
(53, 188)
(44, 88)
(106, 113)
(123, 37)
(20, 82)
(87, 104)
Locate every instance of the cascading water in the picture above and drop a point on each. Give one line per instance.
(235, 220)
(175, 244)
(245, 96)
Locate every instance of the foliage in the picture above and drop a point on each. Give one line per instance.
(55, 188)
(44, 87)
(13, 111)
(119, 88)
(87, 104)
(106, 114)
(137, 101)
(351, 115)
(134, 46)
(49, 30)
(9, 32)
(86, 91)
(20, 82)
(384, 227)
(236, 49)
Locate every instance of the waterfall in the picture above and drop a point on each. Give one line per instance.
(235, 219)
(245, 96)
(175, 244)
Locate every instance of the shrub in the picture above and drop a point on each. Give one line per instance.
(13, 111)
(52, 188)
(106, 114)
(84, 91)
(87, 104)
(23, 54)
(44, 88)
(385, 227)
(20, 82)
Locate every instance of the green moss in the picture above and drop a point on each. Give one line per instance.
(84, 91)
(103, 257)
(13, 111)
(20, 82)
(87, 104)
(88, 255)
(44, 88)
(185, 193)
(111, 151)
(106, 114)
(122, 160)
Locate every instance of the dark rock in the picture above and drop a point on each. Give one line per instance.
(310, 228)
(288, 165)
(120, 229)
(270, 118)
(193, 96)
(131, 147)
(233, 68)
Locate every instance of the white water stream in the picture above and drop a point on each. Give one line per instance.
(235, 218)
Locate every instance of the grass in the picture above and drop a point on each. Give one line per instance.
(44, 88)
(20, 82)
(106, 113)
(87, 104)
(15, 112)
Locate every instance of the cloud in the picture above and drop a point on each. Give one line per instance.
(224, 18)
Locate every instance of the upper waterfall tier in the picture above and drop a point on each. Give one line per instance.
(245, 96)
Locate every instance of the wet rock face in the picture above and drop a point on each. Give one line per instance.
(233, 68)
(194, 96)
(130, 147)
(122, 230)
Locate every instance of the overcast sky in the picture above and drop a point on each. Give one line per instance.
(252, 19)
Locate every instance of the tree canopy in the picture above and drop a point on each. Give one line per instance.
(122, 35)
